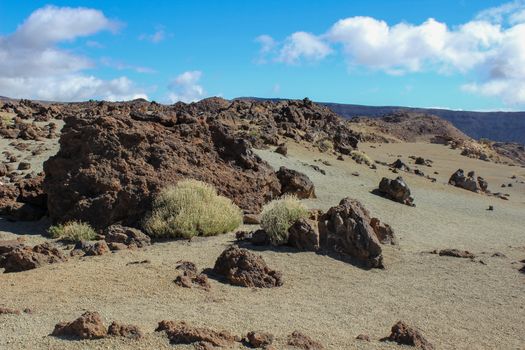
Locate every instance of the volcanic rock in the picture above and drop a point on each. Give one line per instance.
(398, 164)
(87, 326)
(385, 233)
(260, 237)
(302, 341)
(468, 182)
(347, 230)
(190, 278)
(304, 235)
(9, 311)
(182, 333)
(125, 330)
(129, 236)
(396, 190)
(456, 253)
(27, 258)
(402, 333)
(282, 149)
(295, 182)
(259, 339)
(97, 248)
(244, 268)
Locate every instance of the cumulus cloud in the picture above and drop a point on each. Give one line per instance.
(33, 66)
(489, 50)
(186, 87)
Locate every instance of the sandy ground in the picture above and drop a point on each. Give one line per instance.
(456, 303)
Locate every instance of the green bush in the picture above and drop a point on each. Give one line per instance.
(361, 157)
(73, 231)
(191, 208)
(278, 215)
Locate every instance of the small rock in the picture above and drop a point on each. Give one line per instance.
(364, 337)
(403, 334)
(282, 149)
(457, 253)
(87, 326)
(251, 219)
(24, 166)
(302, 341)
(97, 248)
(304, 235)
(259, 339)
(125, 330)
(182, 333)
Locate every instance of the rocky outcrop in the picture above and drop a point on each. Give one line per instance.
(302, 341)
(296, 183)
(396, 190)
(87, 326)
(244, 268)
(468, 182)
(347, 230)
(23, 200)
(25, 258)
(402, 333)
(180, 332)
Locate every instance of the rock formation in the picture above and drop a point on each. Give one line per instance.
(396, 190)
(296, 183)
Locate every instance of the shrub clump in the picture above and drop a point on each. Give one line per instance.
(191, 208)
(279, 215)
(72, 231)
(361, 157)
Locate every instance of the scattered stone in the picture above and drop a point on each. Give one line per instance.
(403, 334)
(259, 339)
(243, 236)
(304, 235)
(347, 230)
(24, 166)
(302, 341)
(244, 268)
(498, 255)
(396, 190)
(398, 164)
(490, 207)
(190, 278)
(456, 253)
(125, 330)
(282, 149)
(147, 261)
(363, 337)
(340, 157)
(297, 183)
(129, 236)
(87, 326)
(97, 248)
(8, 311)
(355, 173)
(27, 258)
(180, 332)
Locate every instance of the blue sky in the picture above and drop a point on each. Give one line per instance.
(470, 56)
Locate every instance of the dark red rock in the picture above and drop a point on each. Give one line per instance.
(402, 333)
(87, 326)
(27, 258)
(302, 341)
(125, 330)
(259, 339)
(304, 235)
(183, 333)
(244, 268)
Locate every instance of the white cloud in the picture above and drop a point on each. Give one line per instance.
(302, 45)
(489, 50)
(33, 66)
(157, 37)
(124, 66)
(186, 88)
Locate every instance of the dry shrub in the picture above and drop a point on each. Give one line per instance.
(191, 208)
(279, 215)
(73, 231)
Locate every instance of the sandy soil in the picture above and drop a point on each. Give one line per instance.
(456, 303)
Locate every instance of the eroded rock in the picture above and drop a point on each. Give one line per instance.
(302, 341)
(295, 182)
(125, 330)
(180, 332)
(304, 235)
(402, 333)
(396, 190)
(87, 326)
(27, 258)
(244, 268)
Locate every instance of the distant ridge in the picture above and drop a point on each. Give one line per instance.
(496, 126)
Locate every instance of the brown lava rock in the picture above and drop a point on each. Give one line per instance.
(190, 278)
(87, 326)
(396, 190)
(9, 311)
(364, 337)
(180, 332)
(259, 339)
(295, 182)
(347, 230)
(125, 330)
(402, 333)
(97, 248)
(456, 253)
(131, 237)
(302, 341)
(385, 234)
(244, 268)
(27, 258)
(304, 235)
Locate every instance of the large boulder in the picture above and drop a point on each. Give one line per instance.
(244, 268)
(396, 190)
(347, 230)
(295, 182)
(112, 163)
